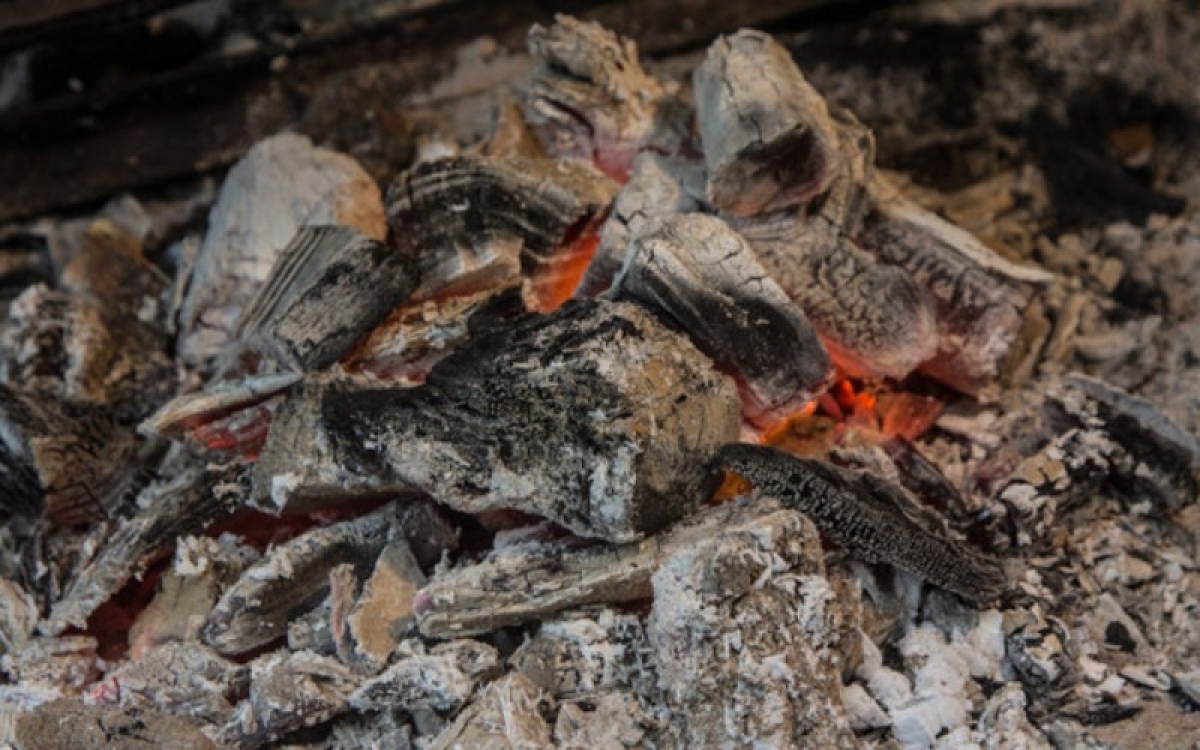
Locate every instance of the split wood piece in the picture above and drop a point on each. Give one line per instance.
(979, 298)
(507, 713)
(442, 678)
(595, 417)
(280, 185)
(768, 139)
(291, 578)
(328, 287)
(73, 723)
(183, 679)
(756, 582)
(187, 503)
(657, 186)
(858, 513)
(470, 222)
(1162, 460)
(702, 278)
(288, 692)
(588, 98)
(531, 582)
(873, 318)
(70, 461)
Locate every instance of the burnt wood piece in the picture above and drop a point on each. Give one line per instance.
(218, 400)
(187, 503)
(857, 514)
(441, 678)
(745, 584)
(658, 186)
(329, 287)
(588, 97)
(288, 692)
(768, 139)
(979, 298)
(72, 460)
(532, 581)
(508, 712)
(470, 222)
(279, 186)
(102, 337)
(873, 318)
(1162, 460)
(702, 278)
(1067, 471)
(291, 578)
(594, 416)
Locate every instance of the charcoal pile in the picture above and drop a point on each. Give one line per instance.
(738, 398)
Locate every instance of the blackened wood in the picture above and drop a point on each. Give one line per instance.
(328, 287)
(860, 518)
(291, 578)
(595, 416)
(704, 279)
(187, 503)
(470, 222)
(768, 139)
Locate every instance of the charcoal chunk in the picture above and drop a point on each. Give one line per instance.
(329, 287)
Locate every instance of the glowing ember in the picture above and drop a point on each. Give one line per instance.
(556, 280)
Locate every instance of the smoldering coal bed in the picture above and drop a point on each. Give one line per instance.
(662, 416)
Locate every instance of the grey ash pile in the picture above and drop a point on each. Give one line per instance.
(666, 416)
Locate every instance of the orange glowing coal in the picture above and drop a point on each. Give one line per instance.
(556, 280)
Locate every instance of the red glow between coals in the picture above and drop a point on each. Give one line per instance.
(553, 284)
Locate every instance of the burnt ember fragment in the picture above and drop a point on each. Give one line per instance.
(701, 277)
(756, 582)
(531, 581)
(507, 713)
(291, 578)
(658, 186)
(181, 679)
(1163, 461)
(588, 97)
(856, 513)
(280, 185)
(187, 503)
(874, 319)
(979, 298)
(101, 337)
(594, 416)
(288, 692)
(470, 222)
(71, 459)
(768, 139)
(328, 287)
(441, 679)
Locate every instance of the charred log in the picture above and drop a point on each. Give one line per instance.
(541, 417)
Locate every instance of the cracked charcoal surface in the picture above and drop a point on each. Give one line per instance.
(856, 518)
(769, 142)
(698, 275)
(328, 287)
